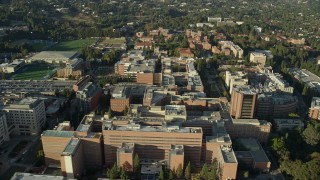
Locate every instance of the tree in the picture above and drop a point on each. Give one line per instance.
(187, 171)
(136, 166)
(113, 173)
(179, 171)
(311, 135)
(110, 113)
(171, 175)
(204, 172)
(161, 175)
(123, 174)
(126, 111)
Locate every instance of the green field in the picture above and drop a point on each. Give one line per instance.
(74, 45)
(33, 72)
(114, 41)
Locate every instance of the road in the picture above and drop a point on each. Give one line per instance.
(24, 160)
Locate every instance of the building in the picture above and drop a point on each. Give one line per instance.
(235, 49)
(73, 68)
(72, 159)
(249, 128)
(54, 143)
(143, 45)
(243, 102)
(4, 131)
(261, 57)
(89, 97)
(175, 112)
(186, 52)
(275, 105)
(176, 156)
(28, 116)
(55, 57)
(252, 154)
(151, 141)
(306, 78)
(314, 111)
(30, 176)
(62, 145)
(125, 156)
(12, 67)
(282, 124)
(237, 78)
(218, 147)
(120, 99)
(195, 84)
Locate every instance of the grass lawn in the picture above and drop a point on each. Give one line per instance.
(74, 45)
(33, 72)
(114, 41)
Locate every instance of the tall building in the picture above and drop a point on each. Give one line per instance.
(218, 147)
(27, 116)
(89, 97)
(4, 131)
(85, 140)
(243, 102)
(152, 142)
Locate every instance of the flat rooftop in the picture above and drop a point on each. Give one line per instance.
(29, 176)
(54, 133)
(219, 138)
(138, 127)
(177, 149)
(315, 102)
(55, 55)
(71, 147)
(126, 148)
(228, 155)
(247, 90)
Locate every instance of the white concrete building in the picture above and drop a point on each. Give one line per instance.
(27, 116)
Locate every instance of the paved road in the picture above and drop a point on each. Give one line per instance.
(25, 159)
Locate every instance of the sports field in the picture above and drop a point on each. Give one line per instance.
(33, 72)
(74, 45)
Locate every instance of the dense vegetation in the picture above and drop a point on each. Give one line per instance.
(298, 152)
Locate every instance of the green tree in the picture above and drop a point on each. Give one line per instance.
(161, 175)
(123, 174)
(187, 171)
(126, 111)
(311, 135)
(136, 166)
(204, 172)
(171, 175)
(113, 173)
(179, 171)
(305, 90)
(110, 113)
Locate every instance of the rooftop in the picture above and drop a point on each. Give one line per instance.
(177, 149)
(137, 127)
(29, 176)
(54, 133)
(315, 102)
(126, 148)
(247, 90)
(55, 55)
(71, 147)
(228, 154)
(219, 138)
